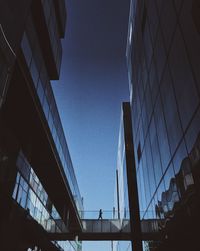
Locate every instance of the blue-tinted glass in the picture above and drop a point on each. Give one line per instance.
(34, 72)
(153, 81)
(161, 201)
(136, 112)
(141, 134)
(26, 49)
(40, 91)
(150, 167)
(23, 199)
(170, 111)
(162, 135)
(142, 195)
(19, 195)
(15, 191)
(144, 119)
(46, 107)
(180, 155)
(148, 103)
(155, 153)
(159, 54)
(146, 177)
(147, 44)
(186, 92)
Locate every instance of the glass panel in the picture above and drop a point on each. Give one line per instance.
(186, 92)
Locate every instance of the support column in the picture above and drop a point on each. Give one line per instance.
(132, 179)
(118, 207)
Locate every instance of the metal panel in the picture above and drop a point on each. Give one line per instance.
(106, 226)
(115, 226)
(126, 226)
(97, 226)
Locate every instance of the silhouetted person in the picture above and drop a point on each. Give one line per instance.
(100, 214)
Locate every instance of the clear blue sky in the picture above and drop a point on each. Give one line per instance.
(93, 83)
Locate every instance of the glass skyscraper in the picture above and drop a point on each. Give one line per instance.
(163, 49)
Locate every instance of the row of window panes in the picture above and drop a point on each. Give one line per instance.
(164, 164)
(51, 114)
(27, 195)
(170, 190)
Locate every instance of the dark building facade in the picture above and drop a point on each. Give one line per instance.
(38, 187)
(163, 49)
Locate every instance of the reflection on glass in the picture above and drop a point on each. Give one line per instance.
(180, 186)
(47, 101)
(30, 194)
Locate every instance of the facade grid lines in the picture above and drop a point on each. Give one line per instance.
(164, 82)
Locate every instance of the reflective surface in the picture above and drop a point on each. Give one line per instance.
(163, 62)
(30, 194)
(51, 22)
(35, 62)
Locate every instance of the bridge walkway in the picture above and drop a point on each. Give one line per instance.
(108, 229)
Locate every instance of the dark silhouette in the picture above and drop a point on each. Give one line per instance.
(100, 214)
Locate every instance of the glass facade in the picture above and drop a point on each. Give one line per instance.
(30, 194)
(163, 61)
(33, 56)
(30, 56)
(52, 25)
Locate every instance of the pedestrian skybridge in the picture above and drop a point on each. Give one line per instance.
(108, 229)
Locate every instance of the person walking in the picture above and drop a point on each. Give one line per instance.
(100, 214)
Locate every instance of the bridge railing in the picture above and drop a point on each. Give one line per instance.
(106, 226)
(150, 226)
(106, 214)
(114, 214)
